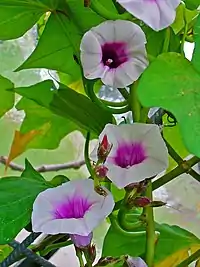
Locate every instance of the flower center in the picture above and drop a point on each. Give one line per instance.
(75, 207)
(114, 54)
(129, 154)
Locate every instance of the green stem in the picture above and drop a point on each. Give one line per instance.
(128, 226)
(195, 256)
(88, 163)
(100, 103)
(80, 257)
(88, 259)
(134, 103)
(47, 241)
(173, 153)
(182, 168)
(86, 155)
(179, 160)
(115, 104)
(167, 40)
(184, 34)
(106, 14)
(119, 229)
(144, 114)
(55, 246)
(124, 93)
(150, 230)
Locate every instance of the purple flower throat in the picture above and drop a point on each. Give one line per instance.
(129, 154)
(75, 207)
(114, 54)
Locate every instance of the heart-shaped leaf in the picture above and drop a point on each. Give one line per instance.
(171, 82)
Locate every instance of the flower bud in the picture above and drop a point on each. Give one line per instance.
(142, 201)
(92, 252)
(139, 187)
(81, 241)
(139, 202)
(104, 149)
(101, 171)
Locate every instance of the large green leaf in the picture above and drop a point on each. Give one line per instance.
(7, 98)
(16, 201)
(173, 241)
(54, 50)
(68, 104)
(172, 83)
(85, 18)
(196, 56)
(52, 128)
(18, 16)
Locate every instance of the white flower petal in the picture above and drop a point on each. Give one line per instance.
(105, 32)
(109, 77)
(148, 135)
(152, 142)
(107, 49)
(167, 14)
(129, 72)
(92, 65)
(43, 218)
(157, 14)
(90, 43)
(127, 31)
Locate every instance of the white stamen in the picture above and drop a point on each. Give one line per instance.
(109, 61)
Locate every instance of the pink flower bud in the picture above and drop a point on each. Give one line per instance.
(141, 202)
(101, 171)
(104, 149)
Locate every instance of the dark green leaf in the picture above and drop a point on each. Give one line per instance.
(172, 239)
(7, 98)
(54, 50)
(17, 17)
(85, 18)
(16, 201)
(172, 83)
(68, 104)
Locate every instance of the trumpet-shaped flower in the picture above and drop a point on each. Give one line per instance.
(157, 14)
(138, 152)
(115, 52)
(73, 208)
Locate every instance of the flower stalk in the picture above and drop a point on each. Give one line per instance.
(106, 14)
(134, 103)
(150, 229)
